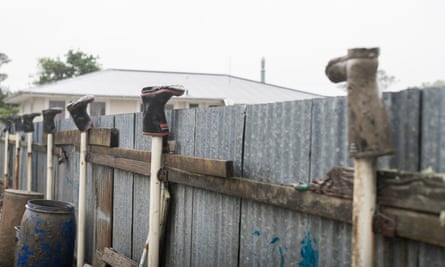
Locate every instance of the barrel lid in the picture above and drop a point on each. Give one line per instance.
(23, 193)
(50, 206)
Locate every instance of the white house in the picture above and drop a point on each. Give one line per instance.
(118, 91)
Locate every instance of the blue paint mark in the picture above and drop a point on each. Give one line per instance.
(280, 250)
(275, 240)
(308, 252)
(256, 233)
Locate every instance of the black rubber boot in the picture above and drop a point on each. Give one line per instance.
(18, 125)
(7, 124)
(28, 125)
(78, 111)
(48, 119)
(154, 99)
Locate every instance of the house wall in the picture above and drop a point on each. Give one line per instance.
(35, 104)
(122, 106)
(112, 106)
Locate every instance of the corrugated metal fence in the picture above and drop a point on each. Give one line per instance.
(281, 143)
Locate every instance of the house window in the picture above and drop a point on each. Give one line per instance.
(58, 104)
(97, 108)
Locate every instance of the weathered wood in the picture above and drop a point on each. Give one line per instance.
(134, 166)
(335, 208)
(337, 182)
(138, 161)
(104, 206)
(418, 226)
(11, 140)
(132, 154)
(96, 136)
(214, 167)
(97, 261)
(116, 259)
(279, 195)
(424, 192)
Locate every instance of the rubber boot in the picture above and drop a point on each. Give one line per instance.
(7, 124)
(18, 125)
(154, 99)
(78, 111)
(48, 119)
(28, 125)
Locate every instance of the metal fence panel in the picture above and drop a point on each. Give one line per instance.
(329, 136)
(404, 113)
(433, 130)
(277, 142)
(123, 190)
(178, 248)
(219, 134)
(141, 193)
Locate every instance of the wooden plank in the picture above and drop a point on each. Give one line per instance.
(96, 136)
(418, 226)
(279, 195)
(134, 166)
(97, 261)
(127, 153)
(424, 192)
(138, 161)
(104, 206)
(220, 168)
(116, 259)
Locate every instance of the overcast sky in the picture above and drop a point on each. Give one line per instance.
(297, 38)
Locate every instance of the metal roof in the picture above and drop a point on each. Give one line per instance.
(128, 83)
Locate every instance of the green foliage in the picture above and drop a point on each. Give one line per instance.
(436, 84)
(3, 60)
(75, 64)
(6, 110)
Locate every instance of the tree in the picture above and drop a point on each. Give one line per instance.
(6, 110)
(76, 63)
(436, 84)
(384, 80)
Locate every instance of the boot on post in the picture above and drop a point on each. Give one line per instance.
(48, 119)
(78, 111)
(154, 99)
(18, 125)
(28, 125)
(7, 124)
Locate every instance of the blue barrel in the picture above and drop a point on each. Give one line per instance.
(46, 235)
